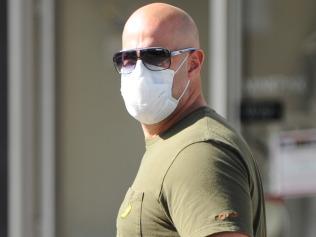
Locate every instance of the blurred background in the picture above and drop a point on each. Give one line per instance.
(69, 150)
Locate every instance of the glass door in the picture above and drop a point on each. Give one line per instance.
(278, 110)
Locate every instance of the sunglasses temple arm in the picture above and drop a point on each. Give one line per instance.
(181, 51)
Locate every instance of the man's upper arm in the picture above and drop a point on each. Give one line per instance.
(208, 193)
(228, 234)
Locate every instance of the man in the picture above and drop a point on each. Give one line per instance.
(197, 176)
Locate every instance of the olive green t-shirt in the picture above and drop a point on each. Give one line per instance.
(196, 179)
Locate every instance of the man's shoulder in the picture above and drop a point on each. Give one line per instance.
(203, 124)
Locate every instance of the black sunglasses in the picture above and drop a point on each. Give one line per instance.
(154, 58)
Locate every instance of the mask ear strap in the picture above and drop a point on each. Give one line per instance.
(185, 89)
(181, 64)
(188, 83)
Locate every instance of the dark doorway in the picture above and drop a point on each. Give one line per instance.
(3, 120)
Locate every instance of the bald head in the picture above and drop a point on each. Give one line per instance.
(160, 24)
(166, 26)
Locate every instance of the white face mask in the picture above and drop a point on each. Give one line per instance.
(148, 94)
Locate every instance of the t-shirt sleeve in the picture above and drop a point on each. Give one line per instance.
(207, 191)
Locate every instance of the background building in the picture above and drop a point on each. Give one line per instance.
(69, 150)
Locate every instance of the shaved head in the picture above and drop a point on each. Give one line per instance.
(160, 24)
(163, 25)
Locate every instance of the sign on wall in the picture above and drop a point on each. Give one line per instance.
(292, 166)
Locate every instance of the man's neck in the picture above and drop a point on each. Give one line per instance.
(151, 131)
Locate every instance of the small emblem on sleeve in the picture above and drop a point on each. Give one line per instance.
(225, 215)
(126, 211)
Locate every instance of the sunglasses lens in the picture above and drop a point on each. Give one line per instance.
(156, 59)
(125, 62)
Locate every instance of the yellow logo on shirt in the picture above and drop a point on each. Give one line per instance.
(126, 211)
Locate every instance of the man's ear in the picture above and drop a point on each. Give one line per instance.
(196, 60)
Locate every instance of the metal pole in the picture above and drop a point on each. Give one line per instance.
(218, 58)
(234, 44)
(47, 118)
(21, 119)
(225, 58)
